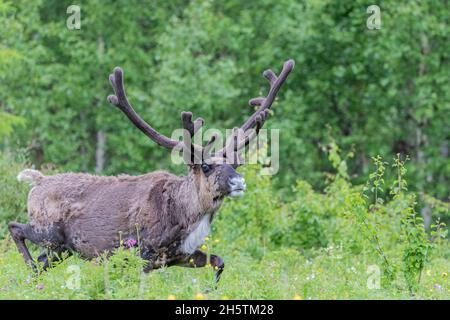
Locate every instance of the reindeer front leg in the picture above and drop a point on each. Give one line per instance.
(198, 259)
(47, 257)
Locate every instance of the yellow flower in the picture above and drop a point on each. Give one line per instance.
(204, 247)
(171, 297)
(206, 238)
(225, 298)
(199, 296)
(428, 272)
(216, 241)
(208, 265)
(444, 274)
(191, 261)
(216, 268)
(298, 297)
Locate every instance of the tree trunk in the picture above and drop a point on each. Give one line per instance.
(100, 152)
(421, 141)
(101, 135)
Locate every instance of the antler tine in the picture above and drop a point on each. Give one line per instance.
(209, 145)
(257, 119)
(189, 125)
(275, 85)
(195, 152)
(120, 100)
(250, 134)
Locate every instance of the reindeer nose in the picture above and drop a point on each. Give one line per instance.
(238, 182)
(237, 186)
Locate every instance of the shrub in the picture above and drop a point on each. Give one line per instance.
(13, 194)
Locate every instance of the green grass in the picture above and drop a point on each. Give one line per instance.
(317, 245)
(328, 274)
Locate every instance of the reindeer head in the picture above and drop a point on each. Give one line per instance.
(213, 172)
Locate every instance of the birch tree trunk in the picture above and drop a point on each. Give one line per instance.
(100, 145)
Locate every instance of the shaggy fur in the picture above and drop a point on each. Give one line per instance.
(169, 216)
(91, 214)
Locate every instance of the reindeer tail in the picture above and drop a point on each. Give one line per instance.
(33, 177)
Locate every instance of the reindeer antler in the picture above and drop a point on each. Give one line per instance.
(250, 129)
(197, 153)
(120, 100)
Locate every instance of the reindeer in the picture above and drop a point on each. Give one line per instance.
(169, 215)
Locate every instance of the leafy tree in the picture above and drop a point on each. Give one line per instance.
(379, 91)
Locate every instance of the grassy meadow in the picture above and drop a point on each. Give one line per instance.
(359, 206)
(340, 244)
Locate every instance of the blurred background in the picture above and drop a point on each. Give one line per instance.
(373, 92)
(358, 103)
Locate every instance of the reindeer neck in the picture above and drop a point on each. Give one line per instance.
(195, 202)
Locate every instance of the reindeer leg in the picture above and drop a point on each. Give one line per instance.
(218, 265)
(46, 258)
(199, 258)
(17, 231)
(43, 258)
(50, 237)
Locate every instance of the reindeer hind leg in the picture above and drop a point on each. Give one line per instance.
(51, 238)
(17, 231)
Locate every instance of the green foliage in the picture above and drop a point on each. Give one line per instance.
(356, 92)
(247, 223)
(319, 245)
(379, 91)
(303, 226)
(7, 122)
(13, 193)
(417, 246)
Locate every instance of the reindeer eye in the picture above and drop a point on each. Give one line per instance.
(206, 168)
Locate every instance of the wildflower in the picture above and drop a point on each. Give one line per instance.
(191, 261)
(208, 265)
(311, 277)
(206, 238)
(171, 297)
(298, 297)
(216, 240)
(40, 286)
(216, 268)
(444, 274)
(130, 243)
(204, 247)
(199, 296)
